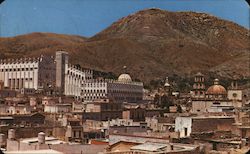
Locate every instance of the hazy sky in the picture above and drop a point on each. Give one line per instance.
(88, 17)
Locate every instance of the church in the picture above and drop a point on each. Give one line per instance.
(215, 98)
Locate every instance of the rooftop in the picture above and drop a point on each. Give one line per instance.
(208, 117)
(47, 151)
(149, 146)
(48, 140)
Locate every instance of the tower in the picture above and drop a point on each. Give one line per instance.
(234, 83)
(62, 59)
(199, 86)
(167, 87)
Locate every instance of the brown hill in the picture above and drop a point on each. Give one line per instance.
(151, 43)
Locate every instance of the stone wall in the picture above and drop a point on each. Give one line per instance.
(212, 124)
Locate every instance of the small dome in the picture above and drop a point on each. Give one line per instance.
(199, 74)
(124, 78)
(216, 89)
(166, 85)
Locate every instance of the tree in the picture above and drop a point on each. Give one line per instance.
(165, 102)
(179, 109)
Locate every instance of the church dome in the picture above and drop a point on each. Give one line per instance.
(124, 78)
(199, 74)
(216, 89)
(166, 83)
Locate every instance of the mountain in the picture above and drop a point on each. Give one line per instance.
(152, 43)
(35, 44)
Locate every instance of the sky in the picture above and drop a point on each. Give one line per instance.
(88, 17)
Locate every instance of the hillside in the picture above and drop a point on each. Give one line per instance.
(152, 43)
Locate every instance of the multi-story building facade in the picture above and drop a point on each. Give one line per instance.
(74, 78)
(121, 90)
(42, 73)
(30, 73)
(57, 74)
(102, 110)
(69, 78)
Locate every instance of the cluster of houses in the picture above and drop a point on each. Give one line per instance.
(50, 106)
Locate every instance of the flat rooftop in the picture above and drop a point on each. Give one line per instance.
(208, 117)
(149, 146)
(162, 147)
(48, 140)
(47, 151)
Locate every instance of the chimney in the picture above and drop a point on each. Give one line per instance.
(2, 140)
(11, 134)
(41, 138)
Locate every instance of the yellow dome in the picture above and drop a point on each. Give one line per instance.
(216, 89)
(124, 78)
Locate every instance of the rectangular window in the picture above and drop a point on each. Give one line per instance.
(74, 132)
(186, 131)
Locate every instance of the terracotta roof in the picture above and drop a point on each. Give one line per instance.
(216, 89)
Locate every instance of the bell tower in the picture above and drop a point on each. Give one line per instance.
(199, 86)
(167, 87)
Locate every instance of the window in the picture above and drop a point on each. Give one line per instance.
(185, 131)
(234, 95)
(216, 103)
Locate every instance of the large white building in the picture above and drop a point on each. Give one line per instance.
(70, 80)
(43, 72)
(121, 90)
(74, 78)
(29, 73)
